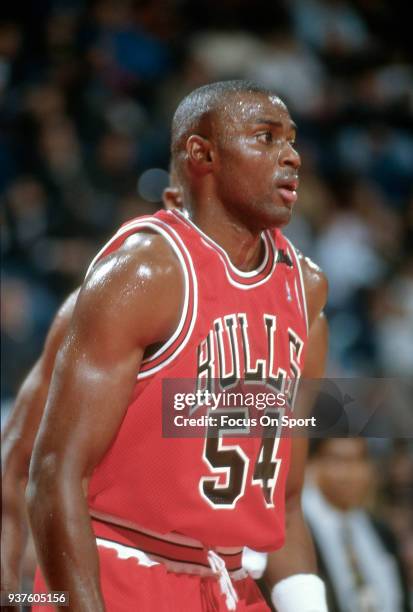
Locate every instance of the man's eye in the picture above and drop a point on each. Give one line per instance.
(265, 137)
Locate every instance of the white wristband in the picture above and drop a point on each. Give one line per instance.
(300, 593)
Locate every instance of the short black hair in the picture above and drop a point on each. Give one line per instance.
(197, 105)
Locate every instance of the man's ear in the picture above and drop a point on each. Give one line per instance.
(199, 154)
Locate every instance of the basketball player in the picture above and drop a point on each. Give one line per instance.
(20, 430)
(123, 518)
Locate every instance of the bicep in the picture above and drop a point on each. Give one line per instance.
(93, 378)
(56, 335)
(97, 365)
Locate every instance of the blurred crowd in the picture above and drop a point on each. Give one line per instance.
(360, 514)
(87, 90)
(360, 524)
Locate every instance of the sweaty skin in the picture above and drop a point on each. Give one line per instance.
(255, 138)
(20, 431)
(233, 188)
(89, 394)
(22, 425)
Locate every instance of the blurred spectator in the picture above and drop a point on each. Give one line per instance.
(394, 323)
(224, 55)
(64, 172)
(397, 484)
(358, 555)
(10, 42)
(27, 210)
(45, 103)
(125, 55)
(292, 70)
(397, 501)
(331, 26)
(382, 154)
(355, 263)
(26, 309)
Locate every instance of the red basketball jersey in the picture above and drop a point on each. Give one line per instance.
(234, 325)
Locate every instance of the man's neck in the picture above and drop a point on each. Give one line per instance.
(244, 248)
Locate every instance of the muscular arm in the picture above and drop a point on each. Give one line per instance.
(132, 299)
(17, 443)
(297, 555)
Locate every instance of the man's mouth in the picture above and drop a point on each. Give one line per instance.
(288, 190)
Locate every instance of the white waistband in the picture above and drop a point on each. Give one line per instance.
(217, 567)
(128, 552)
(174, 538)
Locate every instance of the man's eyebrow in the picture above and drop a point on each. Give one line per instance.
(278, 124)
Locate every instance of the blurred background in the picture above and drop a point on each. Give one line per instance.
(88, 89)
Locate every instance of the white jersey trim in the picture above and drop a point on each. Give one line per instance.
(155, 226)
(170, 537)
(223, 255)
(128, 552)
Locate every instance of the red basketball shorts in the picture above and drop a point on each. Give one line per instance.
(140, 585)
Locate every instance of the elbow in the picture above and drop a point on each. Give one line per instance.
(52, 486)
(41, 484)
(15, 471)
(31, 495)
(35, 500)
(15, 459)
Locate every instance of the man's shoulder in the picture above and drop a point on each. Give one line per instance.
(139, 285)
(144, 255)
(315, 287)
(313, 276)
(315, 283)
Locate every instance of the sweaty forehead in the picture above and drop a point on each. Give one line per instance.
(250, 107)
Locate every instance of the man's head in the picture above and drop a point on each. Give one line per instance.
(342, 471)
(233, 143)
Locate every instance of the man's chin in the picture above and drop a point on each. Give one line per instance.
(267, 217)
(280, 215)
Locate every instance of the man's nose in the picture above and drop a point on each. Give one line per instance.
(289, 157)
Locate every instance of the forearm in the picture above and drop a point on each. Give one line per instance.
(17, 443)
(291, 572)
(14, 533)
(64, 540)
(297, 556)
